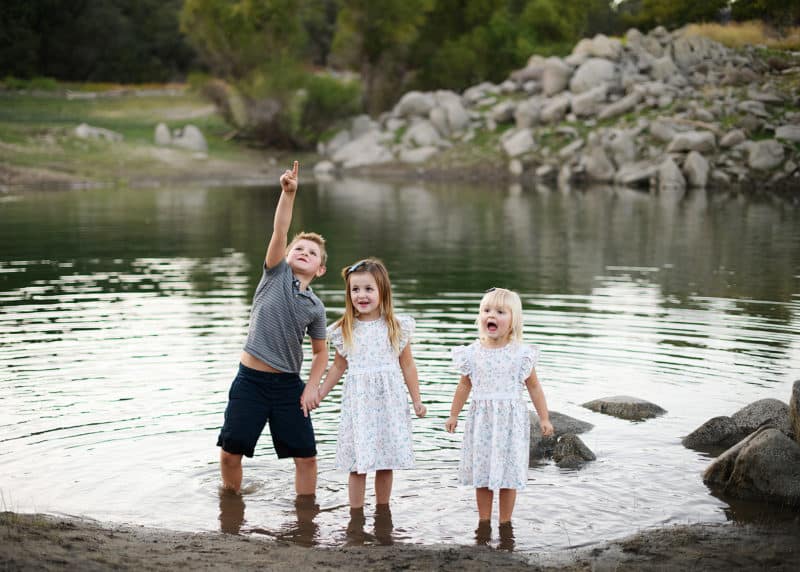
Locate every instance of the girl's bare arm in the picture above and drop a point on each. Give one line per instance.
(459, 399)
(539, 402)
(411, 378)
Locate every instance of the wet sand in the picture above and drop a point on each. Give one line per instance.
(40, 542)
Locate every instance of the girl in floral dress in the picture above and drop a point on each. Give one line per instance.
(497, 368)
(372, 344)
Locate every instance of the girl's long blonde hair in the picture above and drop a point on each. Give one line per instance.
(505, 299)
(381, 276)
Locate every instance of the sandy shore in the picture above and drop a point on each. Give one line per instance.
(39, 542)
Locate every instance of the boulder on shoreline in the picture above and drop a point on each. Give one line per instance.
(765, 464)
(724, 432)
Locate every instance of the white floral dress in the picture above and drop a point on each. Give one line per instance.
(375, 424)
(495, 450)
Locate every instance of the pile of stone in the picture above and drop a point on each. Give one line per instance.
(662, 110)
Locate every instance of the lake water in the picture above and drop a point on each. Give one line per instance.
(123, 312)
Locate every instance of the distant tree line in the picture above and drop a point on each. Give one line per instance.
(263, 56)
(94, 40)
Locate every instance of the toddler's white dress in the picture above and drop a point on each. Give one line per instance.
(495, 450)
(375, 423)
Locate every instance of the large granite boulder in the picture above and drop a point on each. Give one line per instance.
(764, 155)
(625, 407)
(723, 432)
(541, 446)
(763, 467)
(570, 452)
(191, 138)
(592, 73)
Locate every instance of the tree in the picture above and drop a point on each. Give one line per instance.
(376, 38)
(780, 13)
(98, 40)
(647, 14)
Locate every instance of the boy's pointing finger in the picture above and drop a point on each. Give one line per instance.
(295, 168)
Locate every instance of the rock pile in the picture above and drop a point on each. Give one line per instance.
(664, 110)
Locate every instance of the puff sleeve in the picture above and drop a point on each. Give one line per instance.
(529, 355)
(407, 326)
(337, 340)
(463, 359)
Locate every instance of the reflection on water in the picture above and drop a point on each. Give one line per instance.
(231, 511)
(123, 312)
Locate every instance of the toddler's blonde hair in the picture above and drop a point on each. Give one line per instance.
(505, 299)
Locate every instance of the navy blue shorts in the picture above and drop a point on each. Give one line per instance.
(256, 397)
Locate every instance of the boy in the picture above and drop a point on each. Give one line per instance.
(268, 386)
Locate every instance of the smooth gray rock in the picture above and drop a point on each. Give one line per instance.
(570, 452)
(700, 141)
(696, 169)
(789, 133)
(422, 134)
(663, 69)
(591, 73)
(732, 138)
(191, 138)
(625, 407)
(366, 150)
(562, 424)
(528, 111)
(670, 178)
(589, 102)
(518, 142)
(636, 174)
(162, 135)
(727, 431)
(414, 103)
(86, 131)
(765, 155)
(555, 77)
(624, 105)
(598, 166)
(773, 412)
(717, 432)
(555, 108)
(763, 467)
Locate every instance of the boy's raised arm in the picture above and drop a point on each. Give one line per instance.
(276, 250)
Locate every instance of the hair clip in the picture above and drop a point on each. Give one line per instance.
(492, 289)
(355, 267)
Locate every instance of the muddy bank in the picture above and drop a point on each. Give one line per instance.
(38, 542)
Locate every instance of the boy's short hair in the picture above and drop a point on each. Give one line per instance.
(313, 237)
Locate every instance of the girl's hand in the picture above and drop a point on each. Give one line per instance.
(289, 179)
(547, 428)
(420, 409)
(451, 424)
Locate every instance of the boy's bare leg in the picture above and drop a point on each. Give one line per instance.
(305, 475)
(356, 489)
(383, 486)
(484, 497)
(230, 466)
(506, 504)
